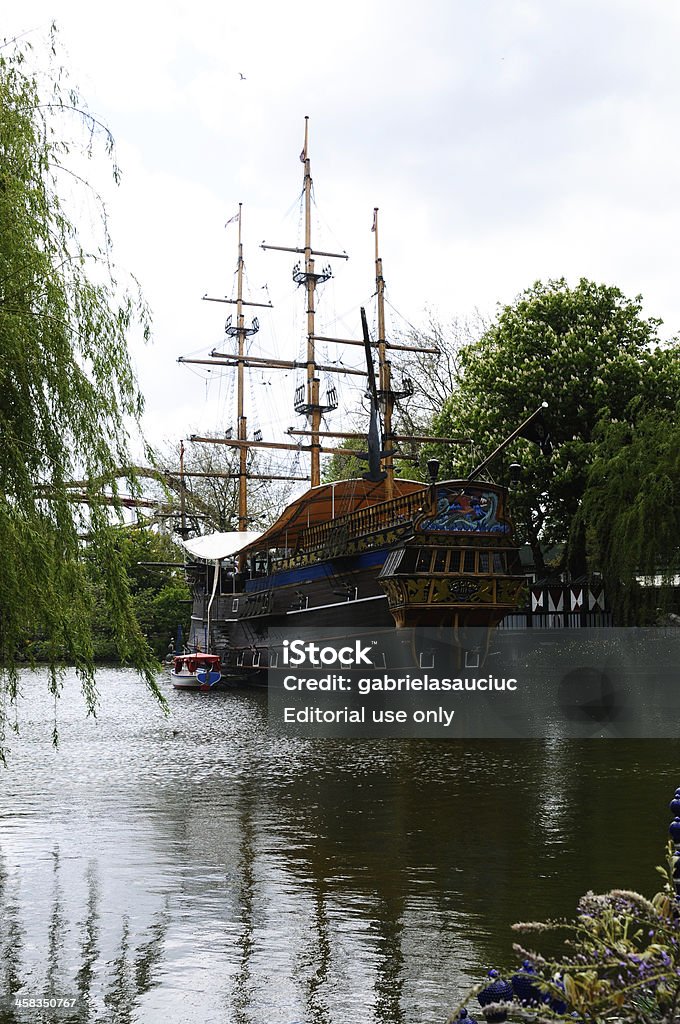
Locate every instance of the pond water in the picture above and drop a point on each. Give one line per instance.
(194, 867)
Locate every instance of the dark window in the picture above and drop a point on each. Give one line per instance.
(483, 561)
(469, 562)
(423, 561)
(439, 561)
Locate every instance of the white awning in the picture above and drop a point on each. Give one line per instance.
(220, 545)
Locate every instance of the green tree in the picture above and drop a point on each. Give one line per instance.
(67, 388)
(631, 512)
(346, 467)
(589, 352)
(161, 599)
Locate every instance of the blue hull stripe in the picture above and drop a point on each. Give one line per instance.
(320, 571)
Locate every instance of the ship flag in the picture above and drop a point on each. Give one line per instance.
(537, 430)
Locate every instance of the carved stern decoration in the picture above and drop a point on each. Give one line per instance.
(461, 566)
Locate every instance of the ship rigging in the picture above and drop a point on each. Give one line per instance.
(376, 551)
(309, 400)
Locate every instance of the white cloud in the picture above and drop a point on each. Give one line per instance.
(503, 142)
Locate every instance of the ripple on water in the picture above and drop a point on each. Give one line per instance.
(194, 867)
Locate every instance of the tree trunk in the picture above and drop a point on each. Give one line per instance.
(577, 561)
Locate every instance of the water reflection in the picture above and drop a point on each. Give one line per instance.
(242, 990)
(134, 972)
(197, 868)
(56, 929)
(92, 984)
(88, 946)
(12, 944)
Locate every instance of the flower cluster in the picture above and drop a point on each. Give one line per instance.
(622, 963)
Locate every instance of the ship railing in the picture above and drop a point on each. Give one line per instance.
(363, 521)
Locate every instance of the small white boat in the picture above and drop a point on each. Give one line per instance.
(195, 671)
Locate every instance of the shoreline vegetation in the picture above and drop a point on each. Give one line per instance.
(620, 961)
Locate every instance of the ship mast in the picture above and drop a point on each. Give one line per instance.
(240, 360)
(385, 393)
(241, 332)
(313, 409)
(307, 396)
(308, 400)
(240, 417)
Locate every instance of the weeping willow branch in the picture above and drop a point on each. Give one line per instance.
(67, 389)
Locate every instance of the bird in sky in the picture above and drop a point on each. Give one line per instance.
(242, 76)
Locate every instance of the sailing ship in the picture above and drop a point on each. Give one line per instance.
(376, 552)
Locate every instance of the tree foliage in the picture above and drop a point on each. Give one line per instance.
(631, 512)
(347, 467)
(67, 388)
(161, 599)
(591, 354)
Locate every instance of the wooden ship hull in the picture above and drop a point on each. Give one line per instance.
(439, 556)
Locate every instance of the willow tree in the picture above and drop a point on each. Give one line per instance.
(631, 513)
(67, 389)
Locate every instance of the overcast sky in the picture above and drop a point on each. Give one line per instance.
(503, 141)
